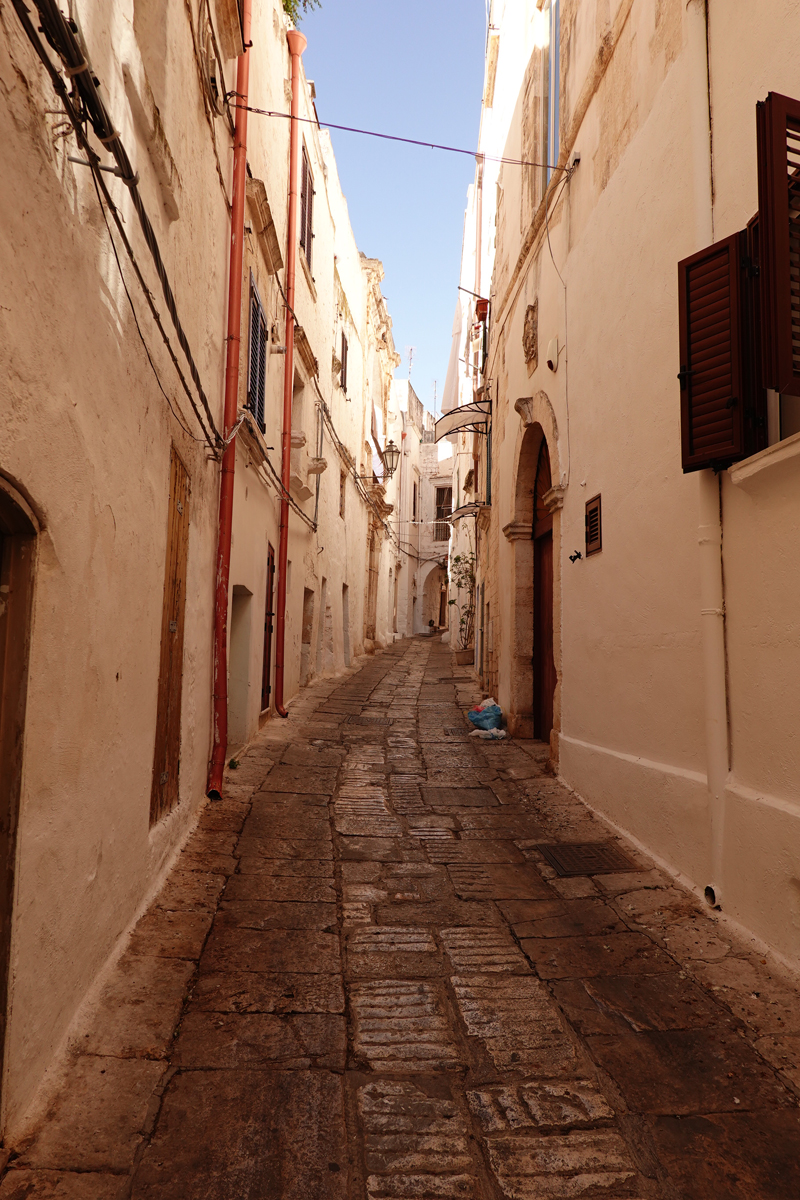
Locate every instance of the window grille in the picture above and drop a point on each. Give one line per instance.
(257, 362)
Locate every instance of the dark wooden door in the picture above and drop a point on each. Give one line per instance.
(17, 552)
(544, 669)
(167, 753)
(266, 686)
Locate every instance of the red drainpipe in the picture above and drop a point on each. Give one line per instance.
(297, 44)
(217, 764)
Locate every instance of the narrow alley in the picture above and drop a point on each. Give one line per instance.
(364, 980)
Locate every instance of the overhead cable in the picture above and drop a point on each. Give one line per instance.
(393, 137)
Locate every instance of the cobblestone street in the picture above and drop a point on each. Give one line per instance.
(364, 980)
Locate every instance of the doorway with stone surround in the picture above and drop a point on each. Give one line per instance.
(534, 537)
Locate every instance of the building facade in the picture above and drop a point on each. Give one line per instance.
(114, 318)
(632, 541)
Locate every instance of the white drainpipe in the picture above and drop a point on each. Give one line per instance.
(712, 598)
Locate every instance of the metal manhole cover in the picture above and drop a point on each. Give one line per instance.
(586, 858)
(368, 721)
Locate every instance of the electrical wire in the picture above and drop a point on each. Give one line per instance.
(365, 496)
(175, 414)
(65, 40)
(392, 137)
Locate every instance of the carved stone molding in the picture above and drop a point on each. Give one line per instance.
(524, 407)
(530, 337)
(554, 499)
(484, 517)
(518, 531)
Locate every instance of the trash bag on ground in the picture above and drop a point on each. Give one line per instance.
(489, 735)
(486, 715)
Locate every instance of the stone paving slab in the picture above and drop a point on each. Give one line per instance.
(248, 1135)
(363, 982)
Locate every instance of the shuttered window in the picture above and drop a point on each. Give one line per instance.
(344, 364)
(594, 525)
(306, 207)
(257, 362)
(778, 124)
(444, 507)
(711, 347)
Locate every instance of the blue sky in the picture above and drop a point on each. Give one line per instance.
(414, 69)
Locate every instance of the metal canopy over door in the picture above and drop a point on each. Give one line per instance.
(17, 548)
(166, 756)
(544, 669)
(266, 677)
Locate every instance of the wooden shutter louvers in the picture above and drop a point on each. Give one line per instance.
(711, 346)
(778, 126)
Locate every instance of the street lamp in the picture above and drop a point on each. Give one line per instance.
(391, 457)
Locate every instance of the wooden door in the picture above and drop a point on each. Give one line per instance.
(166, 757)
(544, 667)
(17, 552)
(266, 686)
(544, 670)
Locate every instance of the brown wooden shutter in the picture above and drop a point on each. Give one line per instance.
(594, 526)
(778, 126)
(755, 395)
(166, 757)
(711, 347)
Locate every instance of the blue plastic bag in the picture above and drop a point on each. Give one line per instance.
(486, 718)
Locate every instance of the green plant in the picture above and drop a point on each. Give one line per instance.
(462, 574)
(233, 764)
(294, 8)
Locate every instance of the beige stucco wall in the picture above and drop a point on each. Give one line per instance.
(85, 433)
(340, 293)
(630, 705)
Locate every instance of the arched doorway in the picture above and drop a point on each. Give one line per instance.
(18, 530)
(544, 670)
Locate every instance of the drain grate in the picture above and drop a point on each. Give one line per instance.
(454, 731)
(368, 721)
(586, 858)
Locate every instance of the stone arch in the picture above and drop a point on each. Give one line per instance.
(431, 583)
(537, 426)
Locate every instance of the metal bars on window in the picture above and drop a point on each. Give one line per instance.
(257, 360)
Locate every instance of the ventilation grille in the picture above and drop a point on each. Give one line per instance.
(587, 858)
(594, 526)
(793, 168)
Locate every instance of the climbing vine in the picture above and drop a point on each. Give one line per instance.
(462, 574)
(295, 8)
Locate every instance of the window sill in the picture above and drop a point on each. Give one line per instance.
(308, 275)
(743, 472)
